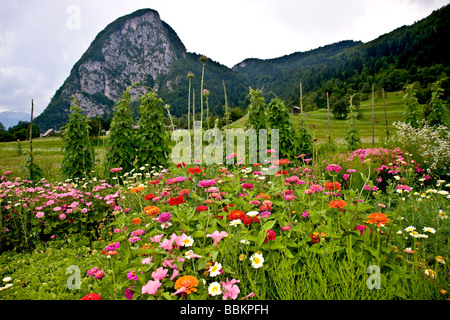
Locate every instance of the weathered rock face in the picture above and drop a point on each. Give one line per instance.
(138, 50)
(138, 47)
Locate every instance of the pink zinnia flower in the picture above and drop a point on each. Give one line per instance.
(167, 244)
(39, 214)
(217, 236)
(230, 289)
(160, 273)
(151, 287)
(62, 216)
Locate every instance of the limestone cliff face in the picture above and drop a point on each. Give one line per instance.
(137, 47)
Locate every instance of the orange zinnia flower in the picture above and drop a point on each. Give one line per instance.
(378, 218)
(332, 185)
(136, 221)
(188, 282)
(339, 204)
(152, 211)
(137, 189)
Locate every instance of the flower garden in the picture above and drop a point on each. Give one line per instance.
(367, 224)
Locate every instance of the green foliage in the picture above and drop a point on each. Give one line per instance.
(151, 139)
(256, 111)
(278, 118)
(120, 142)
(33, 171)
(352, 137)
(437, 115)
(79, 157)
(411, 104)
(20, 131)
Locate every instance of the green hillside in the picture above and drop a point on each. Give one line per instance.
(317, 120)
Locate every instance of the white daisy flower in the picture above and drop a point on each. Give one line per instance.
(214, 289)
(235, 222)
(215, 269)
(427, 229)
(257, 260)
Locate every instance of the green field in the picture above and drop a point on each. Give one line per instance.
(48, 151)
(317, 120)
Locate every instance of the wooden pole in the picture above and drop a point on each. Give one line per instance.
(31, 128)
(385, 114)
(373, 116)
(328, 109)
(226, 102)
(31, 140)
(193, 111)
(301, 99)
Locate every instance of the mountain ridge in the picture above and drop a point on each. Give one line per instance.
(141, 47)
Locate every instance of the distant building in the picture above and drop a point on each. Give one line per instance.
(295, 110)
(47, 133)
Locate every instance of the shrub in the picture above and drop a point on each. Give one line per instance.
(428, 145)
(79, 157)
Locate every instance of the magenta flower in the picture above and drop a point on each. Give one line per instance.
(217, 236)
(361, 229)
(100, 274)
(159, 274)
(247, 186)
(134, 239)
(164, 217)
(132, 276)
(92, 272)
(206, 183)
(129, 293)
(333, 167)
(151, 287)
(289, 197)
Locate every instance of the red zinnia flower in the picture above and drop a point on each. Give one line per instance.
(202, 208)
(91, 296)
(228, 206)
(181, 165)
(174, 201)
(247, 220)
(149, 197)
(281, 162)
(194, 170)
(331, 186)
(270, 235)
(236, 214)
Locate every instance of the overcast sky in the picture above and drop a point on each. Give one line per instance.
(40, 40)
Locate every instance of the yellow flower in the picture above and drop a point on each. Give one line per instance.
(440, 259)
